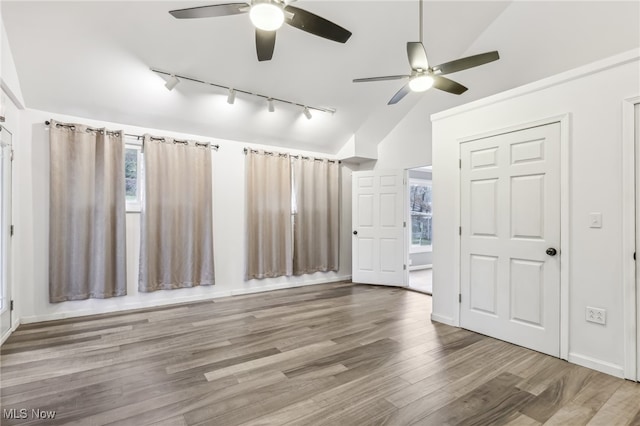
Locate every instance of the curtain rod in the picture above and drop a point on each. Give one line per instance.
(259, 95)
(153, 138)
(301, 157)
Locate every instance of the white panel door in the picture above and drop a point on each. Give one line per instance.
(378, 227)
(510, 219)
(5, 230)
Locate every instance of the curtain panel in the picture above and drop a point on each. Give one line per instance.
(316, 230)
(86, 213)
(176, 246)
(268, 215)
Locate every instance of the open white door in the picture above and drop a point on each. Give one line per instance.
(510, 237)
(379, 247)
(5, 231)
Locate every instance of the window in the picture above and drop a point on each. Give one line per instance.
(133, 176)
(421, 220)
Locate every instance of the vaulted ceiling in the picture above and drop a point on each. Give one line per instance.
(93, 58)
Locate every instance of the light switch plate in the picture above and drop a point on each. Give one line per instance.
(595, 220)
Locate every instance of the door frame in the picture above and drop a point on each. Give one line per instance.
(565, 192)
(7, 249)
(630, 198)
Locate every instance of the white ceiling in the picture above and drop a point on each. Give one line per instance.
(92, 58)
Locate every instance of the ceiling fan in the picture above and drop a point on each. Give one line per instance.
(423, 76)
(267, 16)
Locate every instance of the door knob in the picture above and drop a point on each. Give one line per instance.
(551, 251)
(355, 232)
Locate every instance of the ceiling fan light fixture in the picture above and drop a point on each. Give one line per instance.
(266, 16)
(421, 83)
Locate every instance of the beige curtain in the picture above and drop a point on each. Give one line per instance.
(86, 213)
(176, 246)
(268, 215)
(317, 216)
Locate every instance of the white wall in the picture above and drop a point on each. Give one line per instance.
(593, 96)
(8, 74)
(33, 160)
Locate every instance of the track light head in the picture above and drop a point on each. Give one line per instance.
(172, 82)
(231, 98)
(272, 107)
(307, 113)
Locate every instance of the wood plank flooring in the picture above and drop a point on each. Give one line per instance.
(334, 354)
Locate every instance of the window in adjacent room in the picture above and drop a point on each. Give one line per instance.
(421, 219)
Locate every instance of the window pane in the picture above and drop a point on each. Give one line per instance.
(421, 220)
(131, 173)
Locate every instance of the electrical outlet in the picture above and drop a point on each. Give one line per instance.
(597, 315)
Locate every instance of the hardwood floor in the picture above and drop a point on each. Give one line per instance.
(335, 354)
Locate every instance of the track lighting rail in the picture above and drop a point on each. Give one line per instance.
(233, 90)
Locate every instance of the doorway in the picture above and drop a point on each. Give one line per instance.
(420, 228)
(5, 232)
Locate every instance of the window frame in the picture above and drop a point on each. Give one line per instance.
(135, 206)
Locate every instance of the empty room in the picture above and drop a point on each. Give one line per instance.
(305, 212)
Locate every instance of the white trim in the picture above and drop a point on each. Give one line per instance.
(11, 330)
(7, 90)
(444, 320)
(420, 267)
(406, 247)
(284, 286)
(630, 196)
(177, 300)
(565, 196)
(565, 231)
(574, 74)
(596, 364)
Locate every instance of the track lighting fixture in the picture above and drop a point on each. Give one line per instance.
(172, 82)
(231, 97)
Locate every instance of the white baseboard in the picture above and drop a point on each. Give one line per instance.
(283, 286)
(11, 330)
(443, 320)
(420, 267)
(596, 364)
(175, 301)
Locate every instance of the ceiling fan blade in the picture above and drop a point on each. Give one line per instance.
(468, 62)
(400, 94)
(388, 77)
(417, 55)
(265, 43)
(316, 25)
(447, 85)
(210, 11)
